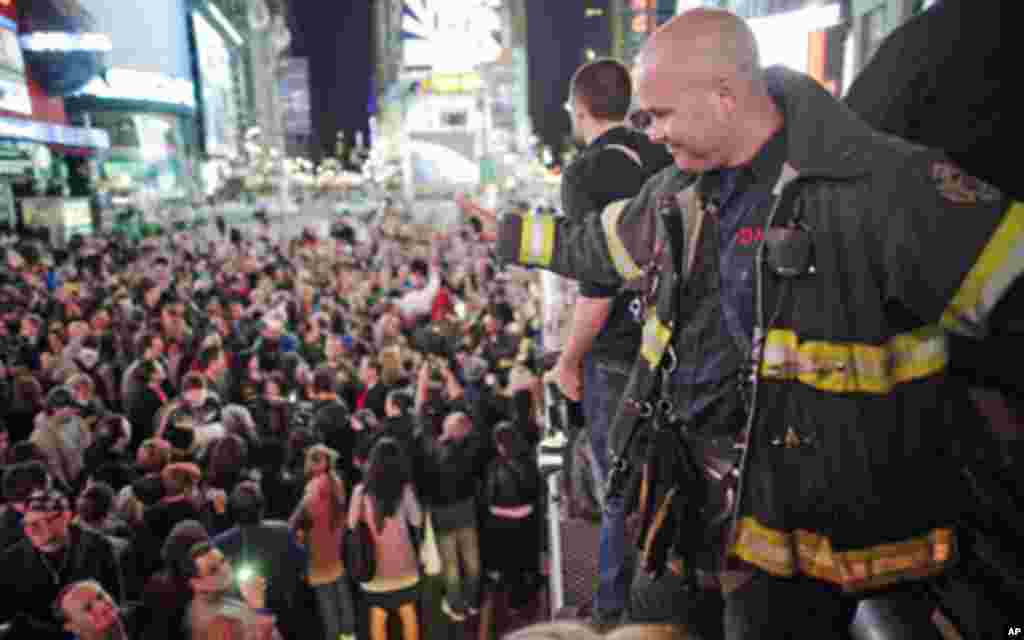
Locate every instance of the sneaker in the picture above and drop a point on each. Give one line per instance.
(448, 611)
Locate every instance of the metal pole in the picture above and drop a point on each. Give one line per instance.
(556, 581)
(552, 463)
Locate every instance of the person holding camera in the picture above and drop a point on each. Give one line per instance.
(211, 578)
(191, 420)
(268, 548)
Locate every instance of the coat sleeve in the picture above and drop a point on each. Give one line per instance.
(952, 247)
(608, 249)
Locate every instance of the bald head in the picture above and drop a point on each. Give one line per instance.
(702, 41)
(700, 89)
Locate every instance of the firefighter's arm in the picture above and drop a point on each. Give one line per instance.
(607, 249)
(953, 256)
(952, 249)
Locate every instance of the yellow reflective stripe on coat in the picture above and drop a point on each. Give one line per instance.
(787, 554)
(855, 367)
(623, 262)
(655, 339)
(537, 240)
(1000, 263)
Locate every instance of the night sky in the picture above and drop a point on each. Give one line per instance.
(337, 42)
(339, 48)
(554, 41)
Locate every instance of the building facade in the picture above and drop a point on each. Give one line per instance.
(44, 158)
(832, 40)
(146, 101)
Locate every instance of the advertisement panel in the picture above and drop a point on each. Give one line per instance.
(13, 88)
(150, 59)
(216, 84)
(784, 39)
(295, 95)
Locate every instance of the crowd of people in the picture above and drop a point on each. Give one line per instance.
(773, 351)
(192, 423)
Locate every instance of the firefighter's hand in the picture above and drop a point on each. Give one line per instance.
(568, 375)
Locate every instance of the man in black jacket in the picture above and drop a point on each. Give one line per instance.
(595, 362)
(331, 420)
(54, 554)
(268, 548)
(19, 481)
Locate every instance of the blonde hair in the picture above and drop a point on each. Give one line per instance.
(180, 478)
(390, 360)
(319, 452)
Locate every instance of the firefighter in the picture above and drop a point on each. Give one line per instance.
(829, 438)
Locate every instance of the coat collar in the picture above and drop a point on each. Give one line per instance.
(823, 136)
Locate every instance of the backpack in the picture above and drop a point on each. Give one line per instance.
(359, 549)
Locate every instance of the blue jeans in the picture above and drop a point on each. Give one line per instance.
(336, 608)
(602, 391)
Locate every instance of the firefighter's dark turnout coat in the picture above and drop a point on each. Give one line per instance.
(851, 478)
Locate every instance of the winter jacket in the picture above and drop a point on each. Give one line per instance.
(850, 475)
(30, 585)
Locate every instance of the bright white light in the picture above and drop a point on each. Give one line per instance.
(129, 84)
(783, 39)
(225, 24)
(457, 36)
(61, 41)
(437, 164)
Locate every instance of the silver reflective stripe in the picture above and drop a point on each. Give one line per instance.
(623, 262)
(788, 175)
(633, 155)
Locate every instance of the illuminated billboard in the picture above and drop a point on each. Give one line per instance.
(217, 87)
(150, 59)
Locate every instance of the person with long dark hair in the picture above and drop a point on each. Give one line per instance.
(510, 531)
(387, 503)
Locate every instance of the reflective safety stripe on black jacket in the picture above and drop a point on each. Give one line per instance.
(852, 477)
